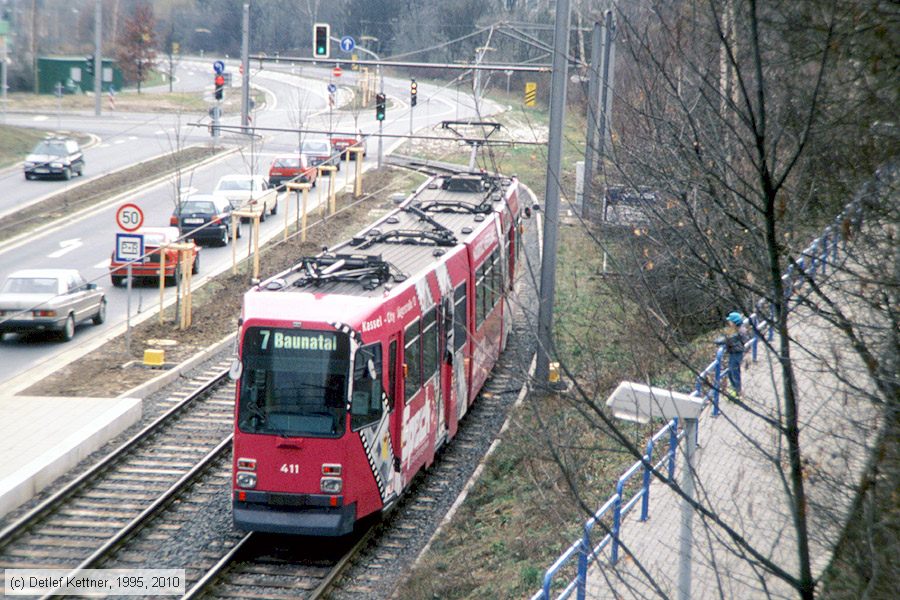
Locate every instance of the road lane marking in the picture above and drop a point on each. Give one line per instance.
(66, 246)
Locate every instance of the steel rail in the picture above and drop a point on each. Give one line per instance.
(204, 582)
(155, 507)
(34, 515)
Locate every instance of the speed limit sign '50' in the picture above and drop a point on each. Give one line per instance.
(129, 217)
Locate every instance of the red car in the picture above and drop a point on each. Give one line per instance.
(341, 143)
(292, 167)
(154, 237)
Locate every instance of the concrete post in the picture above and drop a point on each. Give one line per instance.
(551, 195)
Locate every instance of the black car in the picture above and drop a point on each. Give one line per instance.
(204, 218)
(55, 157)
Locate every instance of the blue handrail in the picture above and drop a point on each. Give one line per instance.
(582, 548)
(823, 251)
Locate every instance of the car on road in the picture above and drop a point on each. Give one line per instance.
(246, 191)
(292, 167)
(320, 152)
(204, 218)
(49, 300)
(55, 157)
(148, 266)
(340, 144)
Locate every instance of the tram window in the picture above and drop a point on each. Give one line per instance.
(366, 400)
(459, 316)
(392, 373)
(479, 296)
(490, 293)
(498, 277)
(412, 358)
(429, 343)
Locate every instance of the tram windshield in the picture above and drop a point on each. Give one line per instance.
(294, 382)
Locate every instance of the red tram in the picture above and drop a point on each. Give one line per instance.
(357, 364)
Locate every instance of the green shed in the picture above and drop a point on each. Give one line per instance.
(71, 74)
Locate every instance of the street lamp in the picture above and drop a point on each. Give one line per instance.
(638, 402)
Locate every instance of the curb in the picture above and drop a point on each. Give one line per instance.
(154, 385)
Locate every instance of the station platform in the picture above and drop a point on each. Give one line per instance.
(42, 438)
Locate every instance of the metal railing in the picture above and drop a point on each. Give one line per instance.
(616, 508)
(813, 262)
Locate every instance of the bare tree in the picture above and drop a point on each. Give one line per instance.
(729, 119)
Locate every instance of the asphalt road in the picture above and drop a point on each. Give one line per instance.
(296, 97)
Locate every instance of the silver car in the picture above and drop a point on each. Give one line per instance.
(49, 300)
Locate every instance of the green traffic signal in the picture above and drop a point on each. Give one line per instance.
(321, 33)
(379, 106)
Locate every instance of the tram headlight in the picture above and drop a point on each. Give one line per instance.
(332, 485)
(246, 480)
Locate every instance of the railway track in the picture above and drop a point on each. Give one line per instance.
(261, 566)
(87, 520)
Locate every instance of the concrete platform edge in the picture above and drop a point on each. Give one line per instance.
(25, 483)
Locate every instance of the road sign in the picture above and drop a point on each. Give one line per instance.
(347, 44)
(218, 66)
(530, 93)
(129, 246)
(336, 71)
(129, 217)
(332, 88)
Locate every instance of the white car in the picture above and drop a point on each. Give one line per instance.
(244, 191)
(49, 299)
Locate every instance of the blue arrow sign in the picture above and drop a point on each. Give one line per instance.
(347, 44)
(332, 88)
(218, 66)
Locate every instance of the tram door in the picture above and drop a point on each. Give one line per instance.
(461, 363)
(448, 395)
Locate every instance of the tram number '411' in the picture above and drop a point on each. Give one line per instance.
(290, 469)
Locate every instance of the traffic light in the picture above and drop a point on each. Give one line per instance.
(413, 92)
(379, 106)
(89, 67)
(220, 86)
(321, 33)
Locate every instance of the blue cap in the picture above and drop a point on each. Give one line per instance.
(736, 318)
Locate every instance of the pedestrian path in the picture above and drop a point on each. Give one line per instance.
(741, 471)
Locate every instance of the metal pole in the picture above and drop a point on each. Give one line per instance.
(380, 75)
(128, 311)
(245, 63)
(551, 195)
(609, 62)
(687, 511)
(590, 149)
(98, 57)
